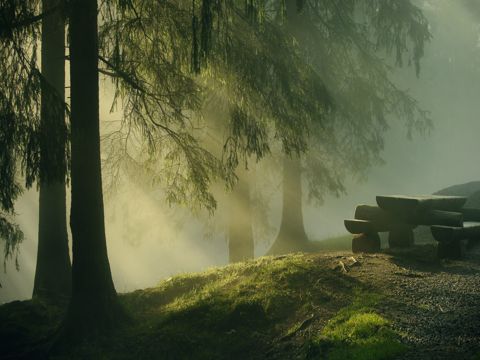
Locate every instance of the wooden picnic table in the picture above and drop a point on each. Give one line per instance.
(398, 215)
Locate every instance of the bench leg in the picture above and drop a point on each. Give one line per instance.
(473, 243)
(400, 237)
(451, 250)
(368, 243)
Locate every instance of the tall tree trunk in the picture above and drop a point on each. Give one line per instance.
(240, 232)
(53, 270)
(292, 236)
(94, 306)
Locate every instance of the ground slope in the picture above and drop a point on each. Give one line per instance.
(301, 306)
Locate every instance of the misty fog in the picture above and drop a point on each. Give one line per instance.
(148, 241)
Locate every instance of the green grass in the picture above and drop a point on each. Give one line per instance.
(240, 311)
(235, 311)
(356, 332)
(25, 323)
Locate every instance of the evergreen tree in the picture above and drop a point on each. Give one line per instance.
(19, 115)
(93, 305)
(53, 270)
(343, 42)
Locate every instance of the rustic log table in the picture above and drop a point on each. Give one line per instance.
(398, 215)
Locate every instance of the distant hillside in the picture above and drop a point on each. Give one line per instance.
(467, 189)
(473, 200)
(470, 189)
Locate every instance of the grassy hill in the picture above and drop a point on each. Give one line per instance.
(299, 306)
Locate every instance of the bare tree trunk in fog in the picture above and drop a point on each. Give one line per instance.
(94, 305)
(53, 270)
(291, 236)
(240, 232)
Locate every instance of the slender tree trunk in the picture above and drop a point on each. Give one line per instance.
(292, 236)
(53, 270)
(94, 306)
(240, 232)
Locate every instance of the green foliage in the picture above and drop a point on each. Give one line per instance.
(313, 76)
(22, 82)
(357, 332)
(345, 43)
(259, 73)
(256, 71)
(19, 99)
(16, 16)
(145, 49)
(19, 111)
(12, 235)
(309, 75)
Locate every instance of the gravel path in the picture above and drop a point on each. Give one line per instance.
(435, 305)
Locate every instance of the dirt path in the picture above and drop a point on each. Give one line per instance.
(435, 305)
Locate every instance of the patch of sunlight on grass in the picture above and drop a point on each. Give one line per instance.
(247, 282)
(357, 333)
(232, 311)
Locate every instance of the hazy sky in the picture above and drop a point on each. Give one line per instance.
(448, 87)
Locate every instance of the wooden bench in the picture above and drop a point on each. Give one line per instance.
(398, 215)
(451, 240)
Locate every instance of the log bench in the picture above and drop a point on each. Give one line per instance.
(451, 240)
(398, 215)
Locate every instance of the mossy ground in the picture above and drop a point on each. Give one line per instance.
(357, 332)
(294, 306)
(236, 312)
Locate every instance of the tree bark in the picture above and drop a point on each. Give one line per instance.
(53, 269)
(292, 236)
(94, 306)
(240, 232)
